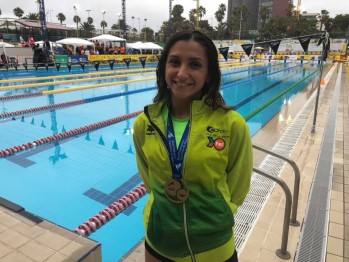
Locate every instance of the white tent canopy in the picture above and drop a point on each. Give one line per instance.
(144, 46)
(107, 38)
(75, 42)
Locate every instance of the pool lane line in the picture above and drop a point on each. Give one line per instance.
(247, 70)
(72, 89)
(239, 82)
(67, 134)
(90, 74)
(3, 98)
(72, 103)
(110, 212)
(36, 85)
(259, 109)
(255, 95)
(114, 72)
(40, 93)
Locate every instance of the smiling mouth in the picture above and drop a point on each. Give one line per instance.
(182, 84)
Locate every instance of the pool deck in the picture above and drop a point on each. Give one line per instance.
(30, 239)
(266, 235)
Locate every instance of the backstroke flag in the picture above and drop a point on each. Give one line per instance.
(224, 52)
(127, 62)
(274, 45)
(142, 60)
(247, 48)
(325, 41)
(304, 41)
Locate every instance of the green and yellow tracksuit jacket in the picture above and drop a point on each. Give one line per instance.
(217, 169)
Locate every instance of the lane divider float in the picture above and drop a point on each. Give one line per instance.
(110, 212)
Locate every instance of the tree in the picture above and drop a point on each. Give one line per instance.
(264, 13)
(324, 19)
(61, 17)
(77, 20)
(87, 27)
(18, 12)
(177, 12)
(104, 25)
(220, 14)
(195, 15)
(236, 23)
(32, 16)
(90, 20)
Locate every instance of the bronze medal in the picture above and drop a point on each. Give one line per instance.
(176, 191)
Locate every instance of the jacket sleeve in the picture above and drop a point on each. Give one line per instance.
(139, 130)
(240, 162)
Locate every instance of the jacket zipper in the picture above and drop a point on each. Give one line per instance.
(162, 138)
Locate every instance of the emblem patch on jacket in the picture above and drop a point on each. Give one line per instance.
(217, 143)
(216, 137)
(150, 131)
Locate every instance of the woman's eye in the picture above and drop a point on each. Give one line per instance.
(174, 62)
(195, 65)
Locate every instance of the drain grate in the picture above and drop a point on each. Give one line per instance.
(261, 187)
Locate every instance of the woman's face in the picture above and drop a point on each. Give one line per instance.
(186, 70)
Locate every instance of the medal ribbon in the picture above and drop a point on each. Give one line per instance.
(176, 156)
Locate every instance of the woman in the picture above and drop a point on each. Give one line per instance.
(194, 155)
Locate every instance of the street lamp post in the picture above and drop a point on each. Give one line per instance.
(103, 13)
(133, 26)
(120, 24)
(145, 29)
(139, 26)
(88, 13)
(240, 24)
(49, 12)
(77, 22)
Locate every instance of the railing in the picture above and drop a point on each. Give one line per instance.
(288, 218)
(297, 175)
(282, 252)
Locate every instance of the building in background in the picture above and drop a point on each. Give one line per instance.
(278, 8)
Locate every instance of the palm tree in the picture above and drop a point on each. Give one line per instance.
(323, 18)
(77, 20)
(264, 13)
(195, 15)
(220, 14)
(18, 12)
(32, 16)
(90, 20)
(61, 17)
(104, 25)
(87, 27)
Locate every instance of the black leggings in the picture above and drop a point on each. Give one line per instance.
(233, 258)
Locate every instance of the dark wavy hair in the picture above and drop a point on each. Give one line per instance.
(211, 88)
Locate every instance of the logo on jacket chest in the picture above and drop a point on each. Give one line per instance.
(150, 131)
(216, 138)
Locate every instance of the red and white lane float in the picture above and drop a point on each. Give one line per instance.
(107, 214)
(67, 134)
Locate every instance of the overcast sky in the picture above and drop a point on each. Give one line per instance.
(155, 11)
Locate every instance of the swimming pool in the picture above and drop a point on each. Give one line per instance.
(71, 179)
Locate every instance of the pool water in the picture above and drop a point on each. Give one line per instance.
(69, 181)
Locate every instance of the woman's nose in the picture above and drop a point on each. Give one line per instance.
(182, 71)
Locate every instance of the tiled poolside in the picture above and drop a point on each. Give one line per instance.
(23, 239)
